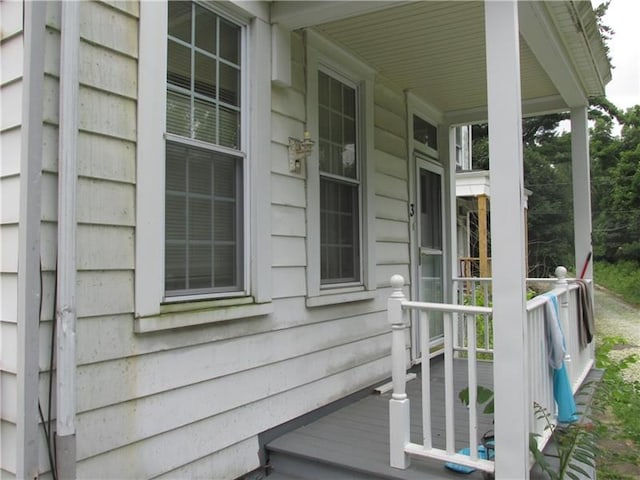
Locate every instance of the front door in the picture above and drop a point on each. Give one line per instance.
(430, 223)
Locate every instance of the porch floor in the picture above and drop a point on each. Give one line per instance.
(353, 442)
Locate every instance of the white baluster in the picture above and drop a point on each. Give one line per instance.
(399, 422)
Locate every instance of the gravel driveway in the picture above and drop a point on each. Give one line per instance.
(614, 317)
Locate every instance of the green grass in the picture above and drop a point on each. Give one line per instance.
(622, 278)
(617, 403)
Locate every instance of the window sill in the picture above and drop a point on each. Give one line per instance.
(331, 297)
(192, 314)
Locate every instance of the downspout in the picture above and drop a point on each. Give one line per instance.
(29, 294)
(66, 305)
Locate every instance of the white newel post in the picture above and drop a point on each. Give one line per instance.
(399, 403)
(504, 99)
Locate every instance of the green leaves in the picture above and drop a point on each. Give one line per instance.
(484, 396)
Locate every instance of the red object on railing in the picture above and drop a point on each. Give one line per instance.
(586, 264)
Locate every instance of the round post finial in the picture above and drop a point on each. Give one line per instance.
(397, 281)
(561, 274)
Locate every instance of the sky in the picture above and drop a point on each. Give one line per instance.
(624, 17)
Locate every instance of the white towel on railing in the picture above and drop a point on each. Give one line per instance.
(556, 346)
(553, 332)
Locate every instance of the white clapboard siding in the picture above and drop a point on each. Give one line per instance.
(113, 28)
(50, 100)
(150, 374)
(10, 19)
(107, 70)
(390, 165)
(288, 251)
(49, 148)
(106, 158)
(10, 152)
(287, 190)
(8, 450)
(385, 272)
(283, 127)
(390, 143)
(48, 238)
(288, 221)
(12, 59)
(104, 292)
(106, 203)
(11, 105)
(288, 102)
(298, 76)
(52, 52)
(391, 231)
(8, 385)
(389, 98)
(391, 253)
(289, 282)
(230, 462)
(9, 292)
(112, 337)
(391, 209)
(165, 452)
(110, 114)
(8, 329)
(105, 247)
(129, 422)
(8, 388)
(390, 122)
(391, 187)
(223, 383)
(9, 248)
(9, 209)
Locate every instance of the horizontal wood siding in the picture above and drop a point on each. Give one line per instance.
(391, 180)
(191, 402)
(11, 87)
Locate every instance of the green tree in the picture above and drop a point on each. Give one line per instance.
(616, 186)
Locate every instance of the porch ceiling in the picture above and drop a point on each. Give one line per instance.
(436, 50)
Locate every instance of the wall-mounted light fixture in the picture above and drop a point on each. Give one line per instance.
(299, 150)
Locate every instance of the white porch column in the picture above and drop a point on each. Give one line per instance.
(581, 189)
(507, 239)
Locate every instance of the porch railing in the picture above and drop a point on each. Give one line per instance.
(462, 324)
(400, 444)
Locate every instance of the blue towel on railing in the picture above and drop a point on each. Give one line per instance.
(556, 346)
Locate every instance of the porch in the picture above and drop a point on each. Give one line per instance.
(353, 442)
(418, 424)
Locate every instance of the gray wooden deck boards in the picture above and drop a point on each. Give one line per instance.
(356, 437)
(352, 443)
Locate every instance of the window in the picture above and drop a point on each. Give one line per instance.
(204, 182)
(339, 182)
(425, 133)
(340, 176)
(459, 159)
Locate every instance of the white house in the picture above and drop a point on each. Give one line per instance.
(208, 278)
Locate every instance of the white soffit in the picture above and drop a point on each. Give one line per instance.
(436, 50)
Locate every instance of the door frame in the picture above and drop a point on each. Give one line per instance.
(422, 161)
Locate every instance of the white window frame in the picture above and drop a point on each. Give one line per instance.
(323, 55)
(153, 311)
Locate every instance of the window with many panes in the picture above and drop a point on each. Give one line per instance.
(339, 182)
(203, 157)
